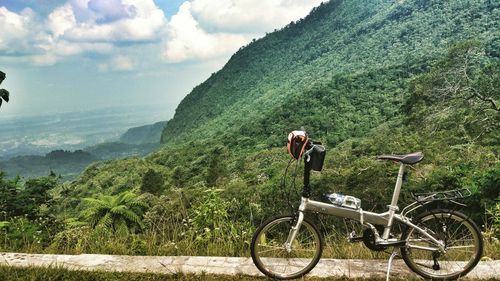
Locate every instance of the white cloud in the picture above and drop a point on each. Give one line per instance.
(15, 30)
(80, 26)
(65, 48)
(204, 29)
(201, 29)
(56, 49)
(61, 19)
(249, 15)
(107, 21)
(188, 41)
(111, 10)
(42, 42)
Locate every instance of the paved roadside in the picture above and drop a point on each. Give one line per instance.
(220, 265)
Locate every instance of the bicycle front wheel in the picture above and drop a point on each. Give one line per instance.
(271, 257)
(462, 241)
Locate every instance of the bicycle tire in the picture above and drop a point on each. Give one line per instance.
(439, 222)
(273, 234)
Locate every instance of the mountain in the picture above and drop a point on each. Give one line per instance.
(144, 134)
(66, 163)
(347, 60)
(365, 78)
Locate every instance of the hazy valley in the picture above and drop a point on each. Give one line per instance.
(36, 145)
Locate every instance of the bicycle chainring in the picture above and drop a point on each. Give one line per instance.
(369, 241)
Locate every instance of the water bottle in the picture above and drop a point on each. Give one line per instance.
(336, 198)
(344, 200)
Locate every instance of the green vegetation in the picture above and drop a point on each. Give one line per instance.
(117, 150)
(55, 273)
(364, 77)
(119, 214)
(67, 163)
(4, 94)
(340, 71)
(144, 134)
(25, 219)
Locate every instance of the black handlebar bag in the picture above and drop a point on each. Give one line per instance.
(317, 157)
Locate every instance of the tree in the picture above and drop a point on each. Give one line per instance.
(216, 168)
(9, 199)
(121, 213)
(152, 182)
(18, 199)
(459, 93)
(35, 193)
(178, 176)
(4, 94)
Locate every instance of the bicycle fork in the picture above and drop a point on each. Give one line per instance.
(292, 234)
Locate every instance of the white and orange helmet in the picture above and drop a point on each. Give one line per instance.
(297, 142)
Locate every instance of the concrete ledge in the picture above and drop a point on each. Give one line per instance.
(221, 265)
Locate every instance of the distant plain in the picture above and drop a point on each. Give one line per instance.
(37, 135)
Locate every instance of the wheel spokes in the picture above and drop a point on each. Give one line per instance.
(275, 259)
(460, 240)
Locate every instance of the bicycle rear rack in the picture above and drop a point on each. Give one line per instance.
(442, 195)
(422, 199)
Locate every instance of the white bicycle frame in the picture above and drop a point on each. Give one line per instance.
(364, 217)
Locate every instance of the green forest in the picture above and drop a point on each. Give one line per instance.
(364, 77)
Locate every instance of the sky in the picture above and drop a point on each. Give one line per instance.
(73, 55)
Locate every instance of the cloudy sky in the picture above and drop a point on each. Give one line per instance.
(65, 55)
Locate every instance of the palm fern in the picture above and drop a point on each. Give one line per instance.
(120, 213)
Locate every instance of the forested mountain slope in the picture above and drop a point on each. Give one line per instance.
(143, 134)
(319, 67)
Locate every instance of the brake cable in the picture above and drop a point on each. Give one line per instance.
(283, 183)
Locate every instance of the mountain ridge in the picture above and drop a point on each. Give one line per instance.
(144, 134)
(328, 42)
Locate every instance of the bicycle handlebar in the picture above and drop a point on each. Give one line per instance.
(310, 146)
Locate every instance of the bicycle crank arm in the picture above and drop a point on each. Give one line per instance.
(398, 243)
(355, 239)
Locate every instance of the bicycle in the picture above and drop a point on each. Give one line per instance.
(438, 244)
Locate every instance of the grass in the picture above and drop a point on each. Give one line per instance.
(60, 274)
(334, 247)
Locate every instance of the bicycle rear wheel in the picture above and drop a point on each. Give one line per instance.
(270, 255)
(463, 244)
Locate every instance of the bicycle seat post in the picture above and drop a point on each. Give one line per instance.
(393, 207)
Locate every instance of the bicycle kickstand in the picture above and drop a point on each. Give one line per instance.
(393, 255)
